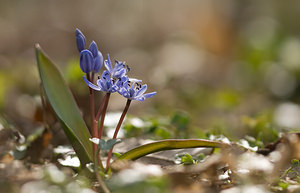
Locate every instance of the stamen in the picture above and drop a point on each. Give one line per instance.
(128, 68)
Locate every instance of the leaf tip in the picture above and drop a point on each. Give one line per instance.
(37, 46)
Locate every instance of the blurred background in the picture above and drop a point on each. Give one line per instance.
(230, 67)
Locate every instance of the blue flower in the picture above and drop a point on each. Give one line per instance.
(80, 40)
(97, 57)
(88, 63)
(134, 91)
(105, 83)
(118, 71)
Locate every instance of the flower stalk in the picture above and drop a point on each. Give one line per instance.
(106, 100)
(94, 121)
(116, 131)
(100, 110)
(99, 178)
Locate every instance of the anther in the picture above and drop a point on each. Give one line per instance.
(127, 67)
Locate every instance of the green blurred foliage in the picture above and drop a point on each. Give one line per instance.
(73, 76)
(260, 128)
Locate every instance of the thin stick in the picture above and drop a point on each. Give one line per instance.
(117, 130)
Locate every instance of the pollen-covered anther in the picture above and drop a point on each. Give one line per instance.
(115, 79)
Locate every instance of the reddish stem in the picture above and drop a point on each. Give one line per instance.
(117, 130)
(106, 100)
(100, 110)
(94, 121)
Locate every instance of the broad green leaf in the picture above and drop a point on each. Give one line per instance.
(167, 145)
(64, 106)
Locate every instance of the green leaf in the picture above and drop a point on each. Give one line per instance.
(295, 162)
(117, 154)
(108, 145)
(187, 159)
(283, 185)
(64, 106)
(103, 144)
(167, 145)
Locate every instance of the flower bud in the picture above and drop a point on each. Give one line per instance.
(80, 40)
(86, 61)
(93, 48)
(98, 61)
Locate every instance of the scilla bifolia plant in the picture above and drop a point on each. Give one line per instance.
(113, 79)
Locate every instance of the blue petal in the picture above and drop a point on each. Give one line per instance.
(131, 92)
(80, 40)
(119, 73)
(149, 95)
(141, 98)
(122, 91)
(86, 61)
(101, 84)
(119, 69)
(142, 90)
(134, 80)
(105, 75)
(121, 81)
(114, 88)
(118, 66)
(124, 78)
(107, 64)
(98, 61)
(91, 84)
(108, 85)
(93, 48)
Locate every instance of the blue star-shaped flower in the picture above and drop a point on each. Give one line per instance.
(118, 71)
(134, 91)
(105, 83)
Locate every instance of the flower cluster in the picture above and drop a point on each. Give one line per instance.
(114, 78)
